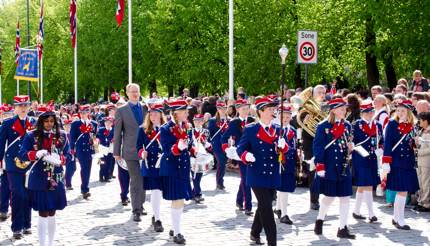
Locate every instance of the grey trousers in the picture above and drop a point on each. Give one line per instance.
(137, 193)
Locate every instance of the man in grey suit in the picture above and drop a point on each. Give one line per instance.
(128, 118)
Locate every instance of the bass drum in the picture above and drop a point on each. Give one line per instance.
(203, 162)
(122, 164)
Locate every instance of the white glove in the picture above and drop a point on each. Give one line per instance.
(182, 144)
(321, 173)
(249, 157)
(385, 169)
(231, 153)
(282, 143)
(207, 145)
(379, 152)
(53, 159)
(144, 155)
(41, 153)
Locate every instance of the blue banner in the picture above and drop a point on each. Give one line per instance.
(28, 65)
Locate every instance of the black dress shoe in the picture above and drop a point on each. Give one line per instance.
(200, 198)
(136, 217)
(248, 212)
(69, 188)
(125, 202)
(393, 222)
(3, 217)
(17, 235)
(286, 220)
(171, 233)
(419, 208)
(220, 187)
(403, 227)
(318, 227)
(344, 233)
(239, 207)
(256, 240)
(27, 231)
(278, 213)
(158, 226)
(143, 212)
(315, 206)
(373, 219)
(86, 195)
(358, 216)
(179, 239)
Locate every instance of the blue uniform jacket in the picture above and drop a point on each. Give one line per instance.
(290, 135)
(403, 156)
(11, 130)
(105, 136)
(371, 135)
(334, 157)
(264, 172)
(38, 177)
(174, 162)
(154, 150)
(216, 134)
(81, 141)
(234, 130)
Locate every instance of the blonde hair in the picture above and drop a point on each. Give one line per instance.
(149, 126)
(410, 117)
(416, 73)
(331, 118)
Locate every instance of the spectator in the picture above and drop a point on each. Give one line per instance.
(401, 89)
(423, 144)
(419, 84)
(422, 106)
(376, 90)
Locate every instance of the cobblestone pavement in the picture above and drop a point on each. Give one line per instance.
(104, 221)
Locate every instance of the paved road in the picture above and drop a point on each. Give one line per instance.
(104, 221)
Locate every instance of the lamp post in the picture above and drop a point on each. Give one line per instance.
(283, 53)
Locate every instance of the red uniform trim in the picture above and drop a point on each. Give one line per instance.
(31, 155)
(243, 157)
(387, 159)
(320, 167)
(140, 153)
(224, 146)
(175, 150)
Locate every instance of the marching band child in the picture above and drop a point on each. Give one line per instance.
(331, 147)
(217, 126)
(176, 141)
(48, 150)
(288, 172)
(71, 163)
(399, 159)
(105, 138)
(367, 133)
(200, 135)
(149, 148)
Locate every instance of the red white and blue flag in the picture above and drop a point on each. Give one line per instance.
(41, 34)
(17, 44)
(73, 22)
(120, 12)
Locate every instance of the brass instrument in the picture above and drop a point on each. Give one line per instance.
(21, 164)
(312, 109)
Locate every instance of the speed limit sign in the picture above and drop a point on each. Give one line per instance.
(307, 49)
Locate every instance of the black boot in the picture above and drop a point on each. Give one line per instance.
(256, 240)
(179, 239)
(373, 219)
(344, 233)
(277, 212)
(286, 220)
(318, 227)
(158, 226)
(358, 216)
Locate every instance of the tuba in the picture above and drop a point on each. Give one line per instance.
(310, 114)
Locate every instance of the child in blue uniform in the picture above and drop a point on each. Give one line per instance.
(331, 147)
(176, 142)
(259, 148)
(71, 164)
(12, 134)
(367, 133)
(4, 184)
(105, 138)
(217, 126)
(149, 148)
(47, 149)
(82, 132)
(398, 162)
(230, 138)
(288, 172)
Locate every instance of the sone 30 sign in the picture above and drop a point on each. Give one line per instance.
(307, 47)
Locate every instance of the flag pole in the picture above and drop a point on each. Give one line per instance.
(129, 44)
(41, 80)
(75, 55)
(17, 87)
(230, 51)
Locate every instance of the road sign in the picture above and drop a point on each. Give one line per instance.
(307, 47)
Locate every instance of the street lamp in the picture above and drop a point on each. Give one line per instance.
(283, 53)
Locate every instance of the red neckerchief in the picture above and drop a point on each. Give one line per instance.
(268, 137)
(86, 128)
(106, 132)
(338, 129)
(47, 142)
(152, 134)
(290, 134)
(180, 132)
(405, 128)
(222, 123)
(370, 131)
(18, 127)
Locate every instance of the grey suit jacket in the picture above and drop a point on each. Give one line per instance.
(125, 132)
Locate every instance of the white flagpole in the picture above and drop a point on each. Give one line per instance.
(129, 44)
(17, 87)
(75, 55)
(41, 80)
(230, 51)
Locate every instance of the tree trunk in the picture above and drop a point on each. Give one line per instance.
(194, 90)
(298, 77)
(370, 42)
(390, 72)
(170, 90)
(152, 87)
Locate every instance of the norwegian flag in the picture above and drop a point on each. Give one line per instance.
(73, 22)
(120, 12)
(41, 34)
(17, 44)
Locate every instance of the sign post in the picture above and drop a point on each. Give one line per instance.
(307, 49)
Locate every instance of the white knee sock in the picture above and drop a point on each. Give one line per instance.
(368, 199)
(343, 211)
(325, 204)
(155, 203)
(176, 220)
(284, 202)
(358, 200)
(399, 208)
(278, 201)
(51, 230)
(42, 225)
